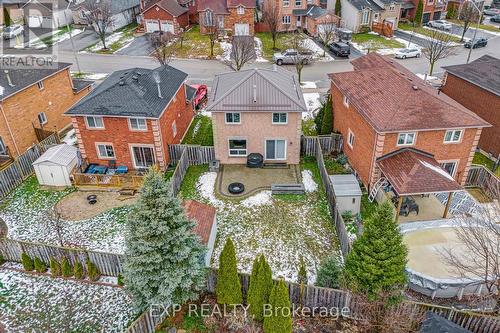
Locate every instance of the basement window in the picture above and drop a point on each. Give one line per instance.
(40, 85)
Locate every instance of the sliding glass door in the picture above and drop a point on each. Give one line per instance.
(144, 156)
(275, 149)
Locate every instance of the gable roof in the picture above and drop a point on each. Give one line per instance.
(171, 6)
(483, 72)
(361, 4)
(391, 98)
(117, 6)
(203, 215)
(217, 6)
(62, 154)
(434, 323)
(132, 93)
(244, 3)
(273, 89)
(312, 11)
(22, 78)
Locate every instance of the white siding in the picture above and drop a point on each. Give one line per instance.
(350, 16)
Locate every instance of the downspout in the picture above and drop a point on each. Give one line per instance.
(9, 129)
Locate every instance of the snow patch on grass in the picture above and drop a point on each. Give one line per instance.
(308, 181)
(226, 51)
(317, 50)
(258, 50)
(259, 199)
(313, 102)
(308, 85)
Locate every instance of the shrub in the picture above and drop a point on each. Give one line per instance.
(120, 280)
(40, 266)
(280, 321)
(302, 276)
(1, 259)
(55, 267)
(66, 267)
(78, 270)
(92, 271)
(327, 121)
(419, 13)
(364, 29)
(228, 287)
(28, 263)
(329, 273)
(342, 159)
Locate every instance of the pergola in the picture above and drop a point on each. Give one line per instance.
(414, 172)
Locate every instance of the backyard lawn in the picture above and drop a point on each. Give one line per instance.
(422, 31)
(33, 303)
(27, 209)
(115, 41)
(483, 160)
(200, 132)
(284, 228)
(377, 41)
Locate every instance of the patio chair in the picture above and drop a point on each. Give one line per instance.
(121, 169)
(112, 164)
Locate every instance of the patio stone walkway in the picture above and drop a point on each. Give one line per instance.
(255, 179)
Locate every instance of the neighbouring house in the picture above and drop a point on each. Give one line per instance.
(205, 217)
(192, 6)
(124, 13)
(32, 105)
(477, 87)
(433, 9)
(163, 15)
(257, 111)
(357, 14)
(389, 117)
(315, 18)
(301, 14)
(235, 17)
(49, 14)
(131, 118)
(14, 9)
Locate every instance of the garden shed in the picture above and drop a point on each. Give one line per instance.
(347, 192)
(54, 167)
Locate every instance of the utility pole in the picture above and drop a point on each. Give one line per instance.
(71, 38)
(480, 14)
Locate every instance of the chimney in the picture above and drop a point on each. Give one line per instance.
(254, 93)
(8, 78)
(156, 77)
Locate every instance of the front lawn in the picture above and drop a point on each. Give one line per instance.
(267, 43)
(115, 41)
(195, 45)
(26, 210)
(33, 303)
(200, 132)
(375, 42)
(284, 228)
(484, 160)
(474, 25)
(423, 31)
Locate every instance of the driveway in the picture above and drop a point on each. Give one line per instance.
(82, 40)
(140, 46)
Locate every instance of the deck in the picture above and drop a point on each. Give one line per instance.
(130, 180)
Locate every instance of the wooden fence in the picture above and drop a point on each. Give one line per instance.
(480, 176)
(21, 168)
(180, 171)
(328, 143)
(196, 154)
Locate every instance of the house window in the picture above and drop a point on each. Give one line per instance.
(233, 118)
(450, 167)
(220, 19)
(392, 7)
(298, 3)
(286, 3)
(209, 18)
(144, 156)
(138, 124)
(94, 122)
(280, 118)
(174, 129)
(275, 149)
(105, 151)
(237, 147)
(406, 139)
(350, 141)
(286, 19)
(453, 136)
(375, 17)
(346, 101)
(42, 118)
(3, 149)
(240, 10)
(40, 85)
(366, 17)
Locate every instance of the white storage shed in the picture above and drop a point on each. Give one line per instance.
(54, 167)
(347, 192)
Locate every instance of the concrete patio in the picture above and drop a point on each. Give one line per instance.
(430, 208)
(255, 179)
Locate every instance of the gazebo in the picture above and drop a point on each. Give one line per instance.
(412, 172)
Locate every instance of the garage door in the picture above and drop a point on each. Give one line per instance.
(436, 16)
(167, 27)
(152, 26)
(242, 29)
(36, 21)
(426, 17)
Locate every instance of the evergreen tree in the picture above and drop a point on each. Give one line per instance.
(268, 278)
(78, 270)
(280, 320)
(66, 267)
(255, 297)
(40, 266)
(377, 261)
(318, 120)
(302, 276)
(329, 273)
(163, 257)
(55, 267)
(327, 123)
(92, 271)
(419, 13)
(228, 287)
(338, 8)
(451, 12)
(7, 21)
(27, 262)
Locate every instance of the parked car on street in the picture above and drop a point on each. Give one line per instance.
(440, 24)
(12, 31)
(408, 53)
(480, 42)
(495, 18)
(491, 11)
(292, 56)
(340, 49)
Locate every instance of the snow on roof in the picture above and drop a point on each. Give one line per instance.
(1, 90)
(62, 154)
(345, 185)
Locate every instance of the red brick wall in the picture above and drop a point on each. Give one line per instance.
(162, 15)
(21, 110)
(484, 103)
(231, 19)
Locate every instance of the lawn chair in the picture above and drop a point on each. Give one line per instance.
(121, 169)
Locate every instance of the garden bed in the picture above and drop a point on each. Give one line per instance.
(284, 228)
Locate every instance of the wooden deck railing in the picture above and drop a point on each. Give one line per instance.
(108, 181)
(480, 176)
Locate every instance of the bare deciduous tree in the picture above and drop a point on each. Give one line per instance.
(327, 32)
(438, 46)
(55, 224)
(303, 56)
(163, 47)
(467, 15)
(272, 18)
(99, 15)
(213, 36)
(242, 51)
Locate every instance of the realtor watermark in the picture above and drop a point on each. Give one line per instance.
(205, 310)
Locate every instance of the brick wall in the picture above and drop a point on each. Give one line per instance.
(22, 109)
(234, 17)
(181, 21)
(484, 103)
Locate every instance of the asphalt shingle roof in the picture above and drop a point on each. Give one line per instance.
(132, 93)
(25, 77)
(483, 72)
(391, 98)
(79, 84)
(203, 215)
(434, 323)
(171, 6)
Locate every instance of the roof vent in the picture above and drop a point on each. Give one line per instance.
(414, 87)
(8, 78)
(156, 77)
(121, 83)
(135, 78)
(254, 93)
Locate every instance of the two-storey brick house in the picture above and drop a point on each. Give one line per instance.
(476, 86)
(132, 117)
(227, 16)
(381, 108)
(35, 98)
(164, 15)
(300, 14)
(433, 9)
